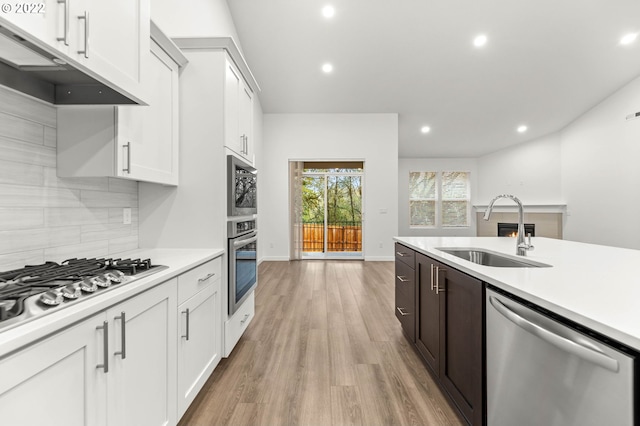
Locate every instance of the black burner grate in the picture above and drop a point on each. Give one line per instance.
(19, 284)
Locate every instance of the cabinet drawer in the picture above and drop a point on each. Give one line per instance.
(405, 278)
(405, 312)
(405, 255)
(238, 323)
(198, 278)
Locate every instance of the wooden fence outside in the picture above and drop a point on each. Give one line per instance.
(340, 237)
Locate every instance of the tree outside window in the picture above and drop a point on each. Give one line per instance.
(439, 199)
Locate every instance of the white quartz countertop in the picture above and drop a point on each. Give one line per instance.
(596, 286)
(177, 260)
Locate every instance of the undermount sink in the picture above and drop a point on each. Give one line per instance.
(490, 258)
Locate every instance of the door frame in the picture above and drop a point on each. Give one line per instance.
(336, 255)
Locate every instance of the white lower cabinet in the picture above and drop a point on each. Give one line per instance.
(55, 381)
(200, 330)
(238, 323)
(141, 379)
(140, 362)
(90, 374)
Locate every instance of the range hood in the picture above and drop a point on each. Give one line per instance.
(32, 70)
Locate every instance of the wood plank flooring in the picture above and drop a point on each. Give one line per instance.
(324, 348)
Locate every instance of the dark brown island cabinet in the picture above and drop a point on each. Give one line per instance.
(445, 322)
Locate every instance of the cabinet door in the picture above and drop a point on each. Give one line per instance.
(141, 386)
(429, 307)
(232, 133)
(115, 39)
(56, 382)
(47, 21)
(461, 330)
(148, 135)
(199, 343)
(245, 122)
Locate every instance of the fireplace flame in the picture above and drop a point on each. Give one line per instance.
(513, 234)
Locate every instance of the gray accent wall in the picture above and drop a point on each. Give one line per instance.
(43, 217)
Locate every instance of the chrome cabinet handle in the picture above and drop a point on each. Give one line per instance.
(404, 314)
(437, 283)
(432, 266)
(554, 339)
(402, 278)
(401, 254)
(246, 317)
(65, 38)
(105, 351)
(186, 335)
(127, 147)
(123, 339)
(85, 52)
(206, 277)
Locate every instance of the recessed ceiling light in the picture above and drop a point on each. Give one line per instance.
(328, 11)
(425, 129)
(327, 68)
(629, 38)
(480, 40)
(522, 129)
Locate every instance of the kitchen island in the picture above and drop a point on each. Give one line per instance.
(595, 286)
(548, 338)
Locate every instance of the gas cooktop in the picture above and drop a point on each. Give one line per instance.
(36, 290)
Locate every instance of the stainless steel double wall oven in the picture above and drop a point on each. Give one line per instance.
(242, 231)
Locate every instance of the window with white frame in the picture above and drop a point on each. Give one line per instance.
(439, 199)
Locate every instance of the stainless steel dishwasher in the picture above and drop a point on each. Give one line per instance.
(543, 372)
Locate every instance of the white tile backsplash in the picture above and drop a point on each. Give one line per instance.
(44, 217)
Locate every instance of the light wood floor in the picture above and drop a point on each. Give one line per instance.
(324, 348)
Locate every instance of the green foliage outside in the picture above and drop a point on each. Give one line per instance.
(344, 199)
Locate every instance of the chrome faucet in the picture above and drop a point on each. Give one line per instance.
(521, 246)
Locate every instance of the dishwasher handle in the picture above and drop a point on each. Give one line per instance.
(560, 342)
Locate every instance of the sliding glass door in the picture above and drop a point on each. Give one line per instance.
(331, 211)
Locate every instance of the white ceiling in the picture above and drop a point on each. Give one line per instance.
(546, 63)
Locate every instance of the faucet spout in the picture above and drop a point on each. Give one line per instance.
(521, 245)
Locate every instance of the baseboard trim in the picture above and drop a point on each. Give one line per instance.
(379, 258)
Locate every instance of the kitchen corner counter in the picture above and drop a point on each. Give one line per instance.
(177, 260)
(596, 286)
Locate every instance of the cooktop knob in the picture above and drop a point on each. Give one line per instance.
(71, 291)
(51, 298)
(115, 276)
(102, 281)
(88, 285)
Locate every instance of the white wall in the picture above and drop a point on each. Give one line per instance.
(591, 166)
(530, 171)
(369, 137)
(601, 173)
(406, 165)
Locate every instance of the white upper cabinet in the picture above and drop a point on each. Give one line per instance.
(132, 142)
(50, 23)
(238, 110)
(114, 36)
(107, 39)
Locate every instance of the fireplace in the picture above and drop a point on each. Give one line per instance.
(511, 229)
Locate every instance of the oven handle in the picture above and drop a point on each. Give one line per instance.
(244, 242)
